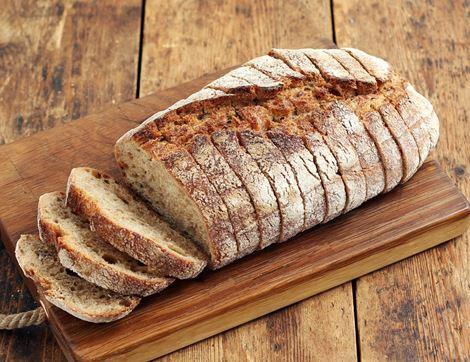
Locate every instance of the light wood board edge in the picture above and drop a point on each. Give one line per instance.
(292, 294)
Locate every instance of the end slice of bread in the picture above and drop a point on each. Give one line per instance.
(83, 251)
(128, 224)
(76, 296)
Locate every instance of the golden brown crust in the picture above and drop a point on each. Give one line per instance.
(231, 190)
(149, 252)
(184, 169)
(94, 269)
(255, 182)
(279, 173)
(359, 157)
(39, 261)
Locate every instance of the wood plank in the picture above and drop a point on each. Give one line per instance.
(184, 41)
(419, 309)
(181, 43)
(414, 217)
(59, 60)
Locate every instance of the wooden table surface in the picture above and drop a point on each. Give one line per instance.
(60, 60)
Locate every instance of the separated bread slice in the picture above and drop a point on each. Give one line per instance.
(76, 296)
(237, 200)
(255, 182)
(84, 252)
(168, 177)
(129, 225)
(279, 173)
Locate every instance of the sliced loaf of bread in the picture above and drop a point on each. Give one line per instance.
(76, 296)
(128, 224)
(84, 252)
(331, 100)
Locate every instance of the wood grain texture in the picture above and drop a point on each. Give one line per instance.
(285, 335)
(21, 345)
(419, 309)
(59, 60)
(422, 213)
(190, 38)
(185, 39)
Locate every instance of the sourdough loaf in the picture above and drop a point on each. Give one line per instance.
(84, 252)
(127, 223)
(278, 145)
(61, 287)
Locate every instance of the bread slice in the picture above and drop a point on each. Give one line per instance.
(378, 68)
(306, 173)
(237, 200)
(387, 147)
(416, 124)
(84, 252)
(247, 79)
(298, 157)
(255, 182)
(403, 138)
(327, 166)
(76, 296)
(168, 177)
(365, 83)
(332, 71)
(430, 122)
(129, 225)
(336, 138)
(297, 60)
(275, 68)
(279, 173)
(367, 152)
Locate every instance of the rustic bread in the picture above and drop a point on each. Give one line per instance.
(84, 300)
(292, 148)
(365, 83)
(367, 152)
(256, 184)
(176, 187)
(321, 130)
(387, 145)
(84, 252)
(279, 173)
(234, 195)
(129, 225)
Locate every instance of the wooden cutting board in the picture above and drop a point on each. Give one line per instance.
(426, 211)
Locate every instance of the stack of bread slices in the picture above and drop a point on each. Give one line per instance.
(285, 142)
